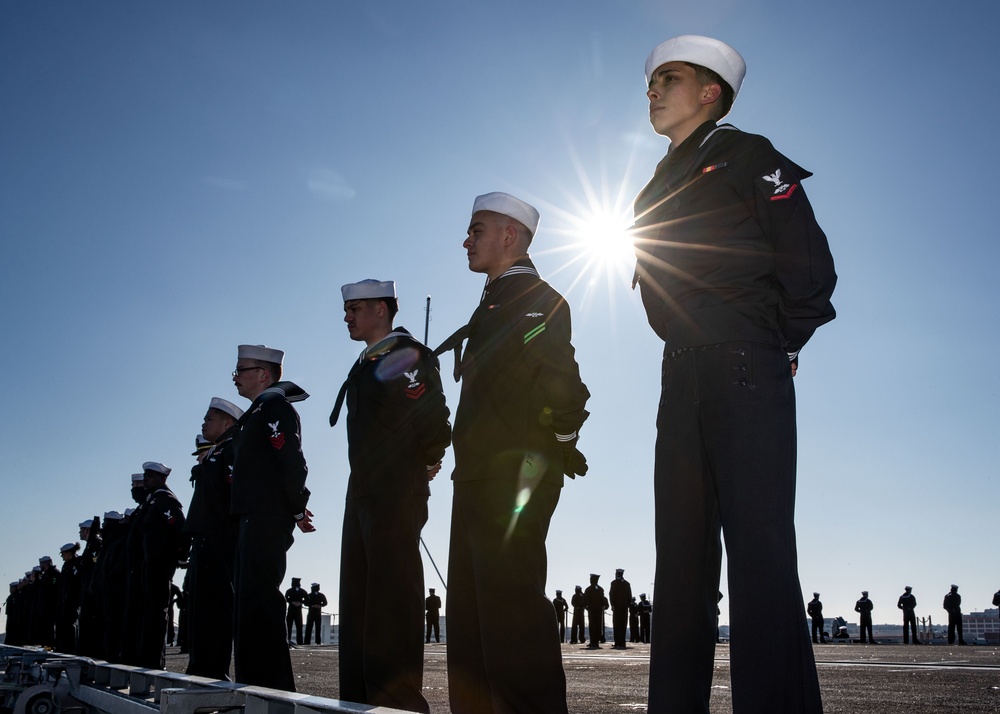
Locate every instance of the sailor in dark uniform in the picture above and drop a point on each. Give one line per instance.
(596, 603)
(213, 530)
(578, 629)
(397, 433)
(108, 585)
(516, 430)
(131, 628)
(47, 588)
(735, 277)
(315, 602)
(432, 606)
(953, 605)
(907, 603)
(815, 611)
(561, 607)
(295, 597)
(864, 607)
(269, 497)
(645, 611)
(68, 608)
(164, 547)
(88, 632)
(620, 596)
(11, 636)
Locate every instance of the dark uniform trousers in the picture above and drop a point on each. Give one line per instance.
(596, 619)
(726, 445)
(210, 605)
(619, 624)
(294, 617)
(260, 647)
(381, 657)
(156, 578)
(909, 621)
(503, 653)
(313, 620)
(578, 632)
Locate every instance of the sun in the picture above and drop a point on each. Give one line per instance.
(596, 247)
(606, 237)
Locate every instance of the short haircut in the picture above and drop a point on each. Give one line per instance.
(272, 368)
(391, 304)
(710, 76)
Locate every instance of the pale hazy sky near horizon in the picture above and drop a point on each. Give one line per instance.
(179, 178)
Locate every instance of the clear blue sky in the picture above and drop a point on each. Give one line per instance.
(178, 178)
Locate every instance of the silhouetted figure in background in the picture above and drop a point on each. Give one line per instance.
(596, 603)
(432, 608)
(176, 599)
(315, 601)
(620, 597)
(295, 596)
(645, 611)
(907, 602)
(561, 607)
(578, 628)
(864, 606)
(953, 605)
(815, 611)
(633, 620)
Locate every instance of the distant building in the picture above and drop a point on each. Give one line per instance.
(982, 625)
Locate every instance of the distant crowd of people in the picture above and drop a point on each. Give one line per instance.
(627, 614)
(111, 600)
(907, 603)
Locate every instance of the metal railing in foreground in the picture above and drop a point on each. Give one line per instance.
(40, 682)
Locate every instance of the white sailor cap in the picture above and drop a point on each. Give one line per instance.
(367, 289)
(705, 51)
(260, 352)
(45, 559)
(113, 515)
(510, 206)
(89, 523)
(225, 406)
(137, 478)
(67, 546)
(156, 467)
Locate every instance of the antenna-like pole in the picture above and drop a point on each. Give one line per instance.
(427, 329)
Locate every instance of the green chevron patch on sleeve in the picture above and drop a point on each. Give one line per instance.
(535, 332)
